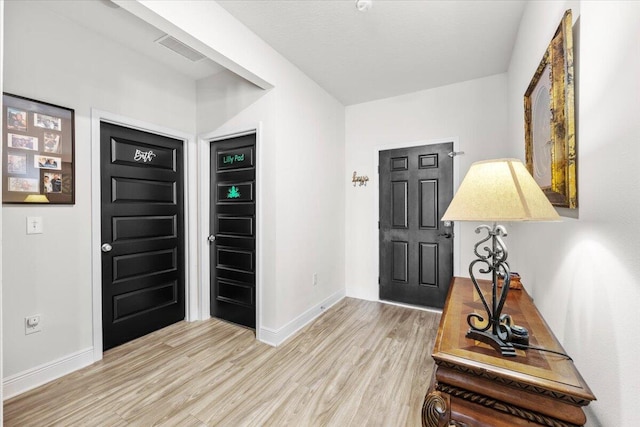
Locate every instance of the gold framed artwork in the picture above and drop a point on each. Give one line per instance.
(39, 152)
(549, 120)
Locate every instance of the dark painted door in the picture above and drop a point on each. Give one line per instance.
(142, 233)
(233, 230)
(416, 249)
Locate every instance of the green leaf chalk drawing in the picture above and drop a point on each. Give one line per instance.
(233, 193)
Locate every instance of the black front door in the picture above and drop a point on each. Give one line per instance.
(416, 248)
(233, 230)
(143, 286)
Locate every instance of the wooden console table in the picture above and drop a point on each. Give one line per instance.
(474, 386)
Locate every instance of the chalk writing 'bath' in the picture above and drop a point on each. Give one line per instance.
(145, 156)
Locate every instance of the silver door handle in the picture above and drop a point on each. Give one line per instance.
(211, 238)
(445, 235)
(106, 247)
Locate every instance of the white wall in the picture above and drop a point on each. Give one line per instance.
(302, 149)
(58, 61)
(584, 273)
(1, 167)
(302, 144)
(228, 104)
(302, 140)
(473, 112)
(305, 129)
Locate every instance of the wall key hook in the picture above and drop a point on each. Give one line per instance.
(360, 180)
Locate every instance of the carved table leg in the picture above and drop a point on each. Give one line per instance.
(434, 410)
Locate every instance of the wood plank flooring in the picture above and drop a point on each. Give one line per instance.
(360, 364)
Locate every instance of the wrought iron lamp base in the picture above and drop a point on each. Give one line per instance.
(494, 328)
(505, 348)
(515, 336)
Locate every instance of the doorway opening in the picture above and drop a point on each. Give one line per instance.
(233, 229)
(142, 229)
(187, 164)
(416, 259)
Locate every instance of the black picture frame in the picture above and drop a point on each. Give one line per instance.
(39, 151)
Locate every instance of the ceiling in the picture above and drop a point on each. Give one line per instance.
(115, 23)
(396, 47)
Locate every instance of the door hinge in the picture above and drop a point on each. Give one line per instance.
(378, 280)
(378, 225)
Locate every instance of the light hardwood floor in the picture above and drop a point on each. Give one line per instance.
(360, 364)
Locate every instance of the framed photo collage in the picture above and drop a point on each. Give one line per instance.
(39, 152)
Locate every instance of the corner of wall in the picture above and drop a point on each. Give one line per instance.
(34, 377)
(275, 337)
(1, 167)
(592, 264)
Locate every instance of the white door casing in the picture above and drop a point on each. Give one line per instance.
(190, 215)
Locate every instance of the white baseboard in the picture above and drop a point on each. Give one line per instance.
(34, 377)
(275, 337)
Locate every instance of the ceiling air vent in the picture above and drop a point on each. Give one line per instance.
(180, 48)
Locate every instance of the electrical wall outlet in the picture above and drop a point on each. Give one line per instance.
(35, 225)
(32, 324)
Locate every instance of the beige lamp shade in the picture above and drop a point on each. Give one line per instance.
(36, 198)
(499, 190)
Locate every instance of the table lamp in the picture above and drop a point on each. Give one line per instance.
(497, 190)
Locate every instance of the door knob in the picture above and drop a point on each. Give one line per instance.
(106, 247)
(211, 238)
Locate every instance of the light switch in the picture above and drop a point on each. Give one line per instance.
(35, 225)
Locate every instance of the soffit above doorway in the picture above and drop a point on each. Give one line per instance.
(115, 23)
